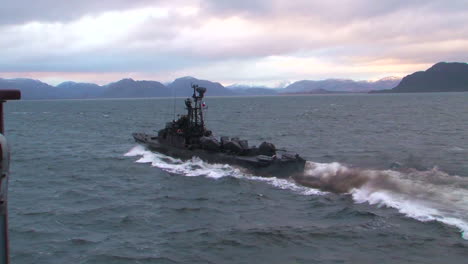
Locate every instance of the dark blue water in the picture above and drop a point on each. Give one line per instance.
(81, 191)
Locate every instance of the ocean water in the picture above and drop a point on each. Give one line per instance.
(82, 191)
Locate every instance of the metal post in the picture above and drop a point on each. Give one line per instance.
(4, 169)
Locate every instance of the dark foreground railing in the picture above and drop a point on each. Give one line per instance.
(4, 168)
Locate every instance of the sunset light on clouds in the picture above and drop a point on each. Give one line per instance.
(256, 42)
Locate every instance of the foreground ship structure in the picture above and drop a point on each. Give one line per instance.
(188, 137)
(4, 171)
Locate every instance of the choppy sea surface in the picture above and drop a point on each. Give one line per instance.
(82, 191)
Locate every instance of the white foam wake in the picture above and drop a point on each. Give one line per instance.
(423, 195)
(197, 167)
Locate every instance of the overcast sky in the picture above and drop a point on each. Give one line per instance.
(264, 42)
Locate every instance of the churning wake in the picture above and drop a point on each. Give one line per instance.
(423, 195)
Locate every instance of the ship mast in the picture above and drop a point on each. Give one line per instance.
(195, 112)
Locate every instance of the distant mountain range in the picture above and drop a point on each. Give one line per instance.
(340, 85)
(240, 89)
(129, 88)
(125, 88)
(441, 77)
(182, 87)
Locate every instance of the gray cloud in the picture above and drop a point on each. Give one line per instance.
(22, 11)
(333, 10)
(341, 31)
(100, 61)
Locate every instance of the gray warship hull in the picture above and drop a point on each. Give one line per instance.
(283, 164)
